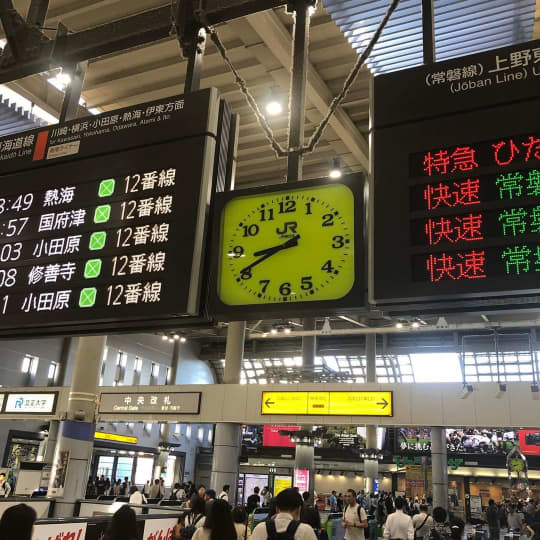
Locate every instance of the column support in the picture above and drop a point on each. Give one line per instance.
(371, 467)
(73, 452)
(439, 467)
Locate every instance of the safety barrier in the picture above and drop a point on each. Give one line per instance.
(44, 507)
(90, 508)
(93, 528)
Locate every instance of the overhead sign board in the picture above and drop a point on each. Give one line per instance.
(103, 219)
(31, 403)
(457, 181)
(150, 402)
(114, 437)
(368, 403)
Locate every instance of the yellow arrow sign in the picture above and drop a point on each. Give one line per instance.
(368, 403)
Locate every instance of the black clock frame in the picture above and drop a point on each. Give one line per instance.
(354, 301)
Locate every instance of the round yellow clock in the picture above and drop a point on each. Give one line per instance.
(292, 245)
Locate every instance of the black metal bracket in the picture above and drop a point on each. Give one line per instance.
(24, 40)
(294, 5)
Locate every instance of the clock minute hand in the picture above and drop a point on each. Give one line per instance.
(267, 253)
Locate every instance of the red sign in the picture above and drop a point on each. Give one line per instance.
(60, 531)
(529, 442)
(271, 436)
(301, 480)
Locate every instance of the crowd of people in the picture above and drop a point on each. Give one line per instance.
(294, 516)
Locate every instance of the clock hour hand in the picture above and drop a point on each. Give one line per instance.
(267, 253)
(291, 242)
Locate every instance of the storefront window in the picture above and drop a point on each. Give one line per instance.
(124, 467)
(169, 476)
(105, 466)
(144, 471)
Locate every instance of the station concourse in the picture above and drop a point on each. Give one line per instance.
(269, 267)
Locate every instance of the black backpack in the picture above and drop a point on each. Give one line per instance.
(272, 533)
(187, 532)
(439, 535)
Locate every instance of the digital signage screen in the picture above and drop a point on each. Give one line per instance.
(457, 181)
(103, 220)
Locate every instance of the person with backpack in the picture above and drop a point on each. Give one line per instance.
(195, 519)
(286, 524)
(240, 518)
(422, 523)
(354, 517)
(218, 525)
(399, 525)
(224, 495)
(310, 513)
(441, 529)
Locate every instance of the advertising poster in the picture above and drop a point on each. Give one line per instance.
(159, 529)
(271, 436)
(529, 442)
(301, 480)
(65, 531)
(59, 472)
(281, 483)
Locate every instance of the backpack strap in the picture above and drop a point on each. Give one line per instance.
(292, 528)
(271, 531)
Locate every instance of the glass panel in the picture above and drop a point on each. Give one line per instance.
(105, 466)
(169, 475)
(124, 467)
(145, 468)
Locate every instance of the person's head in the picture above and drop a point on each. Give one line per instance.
(219, 521)
(289, 501)
(305, 496)
(350, 497)
(239, 514)
(256, 490)
(200, 490)
(226, 488)
(209, 495)
(197, 505)
(491, 502)
(439, 514)
(125, 479)
(334, 492)
(132, 490)
(156, 482)
(177, 486)
(17, 522)
(424, 508)
(400, 503)
(123, 525)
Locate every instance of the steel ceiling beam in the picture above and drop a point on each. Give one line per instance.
(113, 37)
(274, 34)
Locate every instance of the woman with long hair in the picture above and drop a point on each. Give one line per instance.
(218, 525)
(17, 523)
(123, 525)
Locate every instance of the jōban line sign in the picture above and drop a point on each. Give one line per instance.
(367, 403)
(114, 437)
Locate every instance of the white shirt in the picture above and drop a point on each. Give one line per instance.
(399, 525)
(422, 530)
(137, 498)
(351, 514)
(223, 496)
(190, 520)
(5, 489)
(304, 532)
(241, 531)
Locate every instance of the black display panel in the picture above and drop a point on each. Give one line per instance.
(105, 224)
(457, 182)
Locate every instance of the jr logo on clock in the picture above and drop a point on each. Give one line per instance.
(295, 245)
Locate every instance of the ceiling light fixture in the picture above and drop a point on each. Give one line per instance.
(335, 171)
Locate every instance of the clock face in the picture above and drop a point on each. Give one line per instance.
(288, 246)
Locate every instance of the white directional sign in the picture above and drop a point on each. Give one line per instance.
(150, 402)
(31, 403)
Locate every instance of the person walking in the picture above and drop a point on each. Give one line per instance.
(441, 529)
(332, 501)
(239, 516)
(155, 490)
(219, 524)
(286, 523)
(135, 496)
(422, 523)
(254, 501)
(17, 522)
(493, 520)
(354, 517)
(224, 495)
(310, 514)
(197, 517)
(123, 525)
(399, 525)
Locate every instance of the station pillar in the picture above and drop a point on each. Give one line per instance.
(371, 466)
(439, 467)
(228, 437)
(73, 452)
(304, 460)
